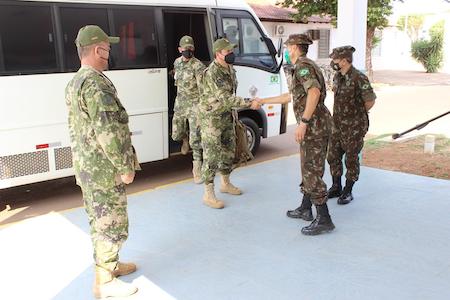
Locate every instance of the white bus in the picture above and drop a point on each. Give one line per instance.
(38, 58)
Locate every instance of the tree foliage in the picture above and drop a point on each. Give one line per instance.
(412, 23)
(430, 52)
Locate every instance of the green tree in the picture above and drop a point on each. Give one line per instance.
(430, 52)
(412, 24)
(377, 13)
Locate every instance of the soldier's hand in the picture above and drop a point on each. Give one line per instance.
(300, 132)
(255, 105)
(127, 178)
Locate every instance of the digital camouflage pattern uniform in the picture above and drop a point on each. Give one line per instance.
(313, 149)
(102, 150)
(188, 76)
(217, 127)
(350, 118)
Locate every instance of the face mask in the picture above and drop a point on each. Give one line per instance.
(335, 66)
(287, 58)
(229, 58)
(187, 53)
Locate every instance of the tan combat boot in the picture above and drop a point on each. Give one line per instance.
(228, 187)
(123, 269)
(197, 171)
(106, 285)
(185, 146)
(210, 199)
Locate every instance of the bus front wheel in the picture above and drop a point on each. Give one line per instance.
(253, 134)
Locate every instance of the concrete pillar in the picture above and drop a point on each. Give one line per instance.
(446, 66)
(352, 27)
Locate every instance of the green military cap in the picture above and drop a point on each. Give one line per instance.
(187, 42)
(298, 39)
(342, 52)
(223, 44)
(92, 34)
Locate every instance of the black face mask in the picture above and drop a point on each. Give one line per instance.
(187, 53)
(229, 58)
(335, 66)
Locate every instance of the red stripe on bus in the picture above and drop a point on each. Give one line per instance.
(42, 146)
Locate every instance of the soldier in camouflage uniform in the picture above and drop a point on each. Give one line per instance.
(188, 74)
(353, 98)
(103, 158)
(217, 127)
(314, 126)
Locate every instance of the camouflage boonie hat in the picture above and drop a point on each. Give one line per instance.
(223, 44)
(187, 42)
(92, 34)
(342, 52)
(298, 39)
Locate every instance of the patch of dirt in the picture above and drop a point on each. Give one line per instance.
(408, 156)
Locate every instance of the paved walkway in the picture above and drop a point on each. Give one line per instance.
(410, 78)
(390, 243)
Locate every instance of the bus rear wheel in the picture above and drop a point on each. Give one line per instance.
(253, 134)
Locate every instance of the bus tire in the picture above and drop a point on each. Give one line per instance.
(253, 134)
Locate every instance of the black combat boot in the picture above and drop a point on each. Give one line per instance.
(336, 189)
(321, 224)
(346, 196)
(304, 211)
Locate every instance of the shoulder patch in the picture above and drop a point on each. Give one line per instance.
(365, 86)
(304, 72)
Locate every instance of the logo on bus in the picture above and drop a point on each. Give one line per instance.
(274, 79)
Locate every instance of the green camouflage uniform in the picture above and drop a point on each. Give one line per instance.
(217, 127)
(313, 149)
(188, 81)
(102, 151)
(350, 118)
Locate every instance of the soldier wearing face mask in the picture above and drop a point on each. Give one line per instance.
(217, 128)
(353, 98)
(188, 73)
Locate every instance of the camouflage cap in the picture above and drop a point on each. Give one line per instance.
(187, 42)
(223, 44)
(342, 52)
(298, 39)
(92, 34)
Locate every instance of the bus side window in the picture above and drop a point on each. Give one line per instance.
(27, 39)
(138, 40)
(231, 32)
(72, 19)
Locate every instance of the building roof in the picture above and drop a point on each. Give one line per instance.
(267, 12)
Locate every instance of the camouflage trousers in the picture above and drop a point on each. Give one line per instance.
(219, 143)
(108, 220)
(186, 124)
(351, 147)
(313, 154)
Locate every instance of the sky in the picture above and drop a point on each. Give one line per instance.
(420, 6)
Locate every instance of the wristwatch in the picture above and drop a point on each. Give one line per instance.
(306, 121)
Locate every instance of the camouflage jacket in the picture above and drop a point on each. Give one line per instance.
(188, 77)
(219, 86)
(305, 75)
(350, 92)
(98, 127)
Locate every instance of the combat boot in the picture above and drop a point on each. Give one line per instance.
(106, 285)
(123, 269)
(210, 199)
(347, 195)
(197, 171)
(321, 224)
(185, 146)
(336, 188)
(227, 187)
(304, 211)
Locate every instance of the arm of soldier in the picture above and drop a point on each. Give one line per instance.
(227, 100)
(367, 93)
(199, 71)
(113, 136)
(282, 99)
(312, 87)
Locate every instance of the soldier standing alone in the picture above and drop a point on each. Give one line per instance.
(353, 98)
(188, 73)
(103, 158)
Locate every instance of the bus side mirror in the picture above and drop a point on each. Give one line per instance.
(270, 46)
(280, 47)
